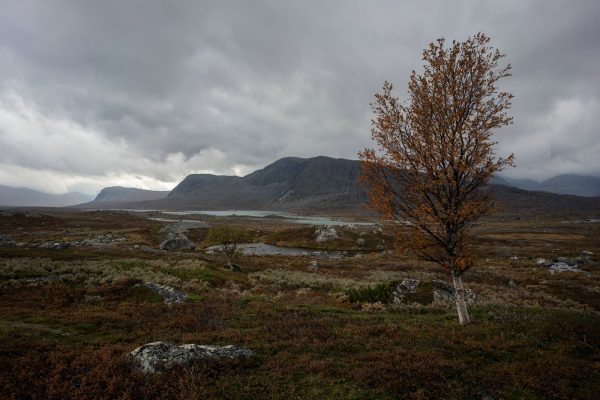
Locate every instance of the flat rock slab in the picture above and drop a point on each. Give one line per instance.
(157, 356)
(169, 294)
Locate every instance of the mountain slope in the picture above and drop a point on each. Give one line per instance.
(289, 183)
(24, 197)
(127, 194)
(579, 185)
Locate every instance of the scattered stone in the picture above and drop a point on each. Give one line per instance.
(326, 233)
(361, 241)
(564, 264)
(169, 294)
(177, 241)
(561, 266)
(98, 241)
(153, 357)
(54, 245)
(445, 292)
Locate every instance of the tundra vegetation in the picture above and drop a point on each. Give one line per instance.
(69, 315)
(436, 154)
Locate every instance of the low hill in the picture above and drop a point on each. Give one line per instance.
(24, 197)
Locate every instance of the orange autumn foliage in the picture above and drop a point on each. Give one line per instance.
(435, 154)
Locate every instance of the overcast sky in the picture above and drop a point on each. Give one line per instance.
(142, 93)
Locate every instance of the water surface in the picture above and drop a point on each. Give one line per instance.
(309, 220)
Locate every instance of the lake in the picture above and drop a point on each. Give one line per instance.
(309, 220)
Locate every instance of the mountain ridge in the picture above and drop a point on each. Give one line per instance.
(320, 185)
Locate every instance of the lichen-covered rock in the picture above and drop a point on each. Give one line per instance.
(156, 356)
(177, 241)
(325, 233)
(445, 292)
(403, 288)
(169, 294)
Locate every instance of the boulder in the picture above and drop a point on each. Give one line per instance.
(361, 241)
(403, 288)
(156, 356)
(177, 241)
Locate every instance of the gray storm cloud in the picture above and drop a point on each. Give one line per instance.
(142, 93)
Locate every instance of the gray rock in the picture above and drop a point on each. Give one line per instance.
(169, 294)
(313, 265)
(153, 357)
(177, 241)
(403, 288)
(561, 266)
(361, 241)
(445, 291)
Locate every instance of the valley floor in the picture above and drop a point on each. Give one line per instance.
(72, 307)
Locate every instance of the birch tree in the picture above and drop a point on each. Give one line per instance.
(435, 153)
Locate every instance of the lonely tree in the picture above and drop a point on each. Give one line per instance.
(435, 153)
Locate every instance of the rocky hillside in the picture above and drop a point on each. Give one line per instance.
(126, 194)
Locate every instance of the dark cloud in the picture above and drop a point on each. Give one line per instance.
(144, 92)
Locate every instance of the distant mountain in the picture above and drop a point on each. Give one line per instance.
(579, 185)
(24, 197)
(289, 183)
(317, 185)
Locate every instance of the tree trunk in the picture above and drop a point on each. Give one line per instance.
(459, 295)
